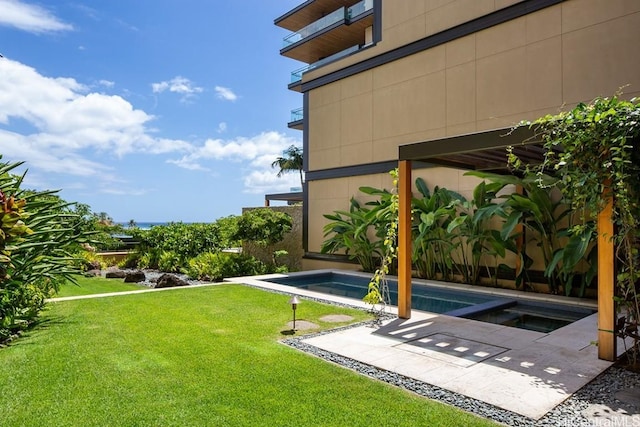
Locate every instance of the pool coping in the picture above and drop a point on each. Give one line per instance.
(498, 292)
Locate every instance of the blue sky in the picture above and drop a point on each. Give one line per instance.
(152, 110)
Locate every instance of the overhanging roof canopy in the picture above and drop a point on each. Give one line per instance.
(477, 151)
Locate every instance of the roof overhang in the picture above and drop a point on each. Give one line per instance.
(485, 151)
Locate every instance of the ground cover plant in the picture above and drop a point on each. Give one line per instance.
(198, 356)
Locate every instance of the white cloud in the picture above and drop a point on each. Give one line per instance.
(265, 181)
(106, 83)
(30, 17)
(69, 123)
(73, 131)
(178, 84)
(255, 154)
(225, 93)
(222, 127)
(119, 191)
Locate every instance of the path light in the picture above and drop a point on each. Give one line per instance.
(294, 304)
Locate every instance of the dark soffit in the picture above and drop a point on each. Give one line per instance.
(477, 151)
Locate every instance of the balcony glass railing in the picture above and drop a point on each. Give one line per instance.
(314, 27)
(296, 75)
(359, 8)
(297, 114)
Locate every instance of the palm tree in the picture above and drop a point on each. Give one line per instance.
(289, 162)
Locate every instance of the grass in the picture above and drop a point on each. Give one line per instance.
(96, 285)
(191, 357)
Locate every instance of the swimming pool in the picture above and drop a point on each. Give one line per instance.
(471, 304)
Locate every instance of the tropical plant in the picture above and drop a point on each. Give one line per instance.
(547, 219)
(357, 232)
(216, 266)
(290, 161)
(36, 241)
(170, 262)
(476, 235)
(432, 246)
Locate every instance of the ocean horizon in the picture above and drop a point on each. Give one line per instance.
(144, 225)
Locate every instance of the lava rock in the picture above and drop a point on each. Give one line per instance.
(170, 281)
(115, 274)
(135, 276)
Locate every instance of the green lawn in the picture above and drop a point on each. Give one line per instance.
(96, 285)
(193, 357)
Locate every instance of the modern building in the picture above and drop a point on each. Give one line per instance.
(432, 86)
(385, 76)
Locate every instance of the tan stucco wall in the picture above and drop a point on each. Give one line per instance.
(404, 21)
(522, 69)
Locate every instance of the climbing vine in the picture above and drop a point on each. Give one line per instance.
(594, 151)
(378, 289)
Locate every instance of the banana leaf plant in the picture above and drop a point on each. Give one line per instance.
(360, 231)
(478, 239)
(432, 246)
(546, 220)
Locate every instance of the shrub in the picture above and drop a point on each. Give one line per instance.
(216, 266)
(170, 262)
(35, 243)
(264, 227)
(186, 240)
(131, 261)
(90, 261)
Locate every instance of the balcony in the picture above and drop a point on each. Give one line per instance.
(297, 119)
(308, 12)
(331, 34)
(296, 76)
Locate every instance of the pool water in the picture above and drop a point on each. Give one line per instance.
(518, 313)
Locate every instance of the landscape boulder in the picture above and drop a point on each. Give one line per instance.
(135, 276)
(169, 281)
(115, 274)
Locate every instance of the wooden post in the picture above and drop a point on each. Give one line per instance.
(404, 239)
(266, 203)
(606, 281)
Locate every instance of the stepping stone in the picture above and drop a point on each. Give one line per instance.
(303, 325)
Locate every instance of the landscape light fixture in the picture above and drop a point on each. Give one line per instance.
(294, 304)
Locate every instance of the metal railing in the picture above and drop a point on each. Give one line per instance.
(297, 114)
(359, 8)
(322, 23)
(296, 75)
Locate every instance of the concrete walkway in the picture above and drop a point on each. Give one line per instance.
(525, 372)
